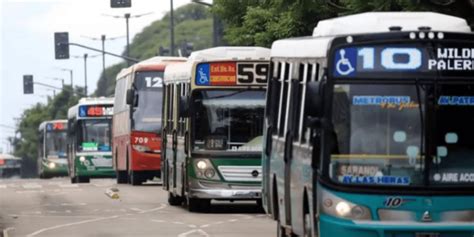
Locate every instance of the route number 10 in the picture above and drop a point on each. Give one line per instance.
(388, 58)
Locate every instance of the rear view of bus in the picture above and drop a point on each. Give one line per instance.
(52, 156)
(89, 139)
(387, 129)
(213, 123)
(137, 120)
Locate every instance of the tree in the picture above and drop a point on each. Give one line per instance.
(264, 21)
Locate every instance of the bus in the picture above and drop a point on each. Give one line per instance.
(89, 139)
(52, 143)
(368, 128)
(10, 166)
(212, 126)
(137, 120)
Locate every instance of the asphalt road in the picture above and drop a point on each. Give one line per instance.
(55, 207)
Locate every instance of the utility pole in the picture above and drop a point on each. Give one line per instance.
(102, 37)
(216, 24)
(85, 74)
(171, 29)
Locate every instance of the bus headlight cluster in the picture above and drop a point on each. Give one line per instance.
(52, 165)
(141, 148)
(82, 159)
(204, 169)
(338, 207)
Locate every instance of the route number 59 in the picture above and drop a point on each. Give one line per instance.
(250, 73)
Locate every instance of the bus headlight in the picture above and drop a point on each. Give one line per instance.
(52, 165)
(82, 159)
(141, 148)
(201, 165)
(205, 170)
(338, 207)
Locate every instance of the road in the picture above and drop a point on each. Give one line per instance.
(55, 207)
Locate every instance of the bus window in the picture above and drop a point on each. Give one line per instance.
(147, 114)
(56, 144)
(94, 135)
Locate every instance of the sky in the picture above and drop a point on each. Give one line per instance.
(27, 46)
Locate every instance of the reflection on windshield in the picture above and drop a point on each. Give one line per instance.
(94, 135)
(228, 120)
(147, 114)
(56, 144)
(376, 138)
(453, 162)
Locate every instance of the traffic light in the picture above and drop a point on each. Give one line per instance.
(61, 45)
(120, 3)
(28, 84)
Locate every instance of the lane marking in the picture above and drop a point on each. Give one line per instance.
(3, 186)
(70, 224)
(29, 191)
(197, 231)
(31, 186)
(68, 185)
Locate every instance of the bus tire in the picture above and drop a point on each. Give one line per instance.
(122, 177)
(82, 179)
(73, 180)
(135, 178)
(174, 200)
(198, 205)
(281, 232)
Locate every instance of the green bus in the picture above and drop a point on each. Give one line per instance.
(89, 139)
(213, 111)
(52, 157)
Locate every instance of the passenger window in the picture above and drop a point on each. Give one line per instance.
(283, 96)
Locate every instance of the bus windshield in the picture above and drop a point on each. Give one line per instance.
(377, 135)
(453, 163)
(56, 144)
(147, 114)
(94, 135)
(229, 120)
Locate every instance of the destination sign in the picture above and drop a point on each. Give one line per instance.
(231, 73)
(95, 110)
(390, 60)
(55, 126)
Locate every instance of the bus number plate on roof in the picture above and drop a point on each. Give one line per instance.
(231, 73)
(55, 126)
(95, 110)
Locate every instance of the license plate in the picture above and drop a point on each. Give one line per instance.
(428, 235)
(101, 162)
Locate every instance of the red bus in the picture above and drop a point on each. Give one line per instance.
(137, 120)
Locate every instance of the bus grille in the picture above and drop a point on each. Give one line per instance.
(241, 173)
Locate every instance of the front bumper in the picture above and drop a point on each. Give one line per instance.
(330, 226)
(224, 191)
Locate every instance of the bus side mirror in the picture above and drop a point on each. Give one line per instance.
(184, 106)
(130, 96)
(314, 103)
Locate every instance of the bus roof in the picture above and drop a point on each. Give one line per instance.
(376, 22)
(230, 53)
(372, 22)
(183, 71)
(8, 157)
(151, 64)
(43, 124)
(72, 112)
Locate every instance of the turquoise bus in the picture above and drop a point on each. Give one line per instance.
(52, 157)
(213, 111)
(368, 128)
(89, 139)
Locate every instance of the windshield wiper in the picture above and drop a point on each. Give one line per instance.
(422, 121)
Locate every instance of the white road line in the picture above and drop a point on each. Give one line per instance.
(70, 224)
(68, 185)
(3, 186)
(178, 223)
(30, 191)
(31, 186)
(195, 231)
(5, 231)
(136, 209)
(159, 221)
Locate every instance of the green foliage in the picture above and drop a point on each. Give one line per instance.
(260, 22)
(193, 23)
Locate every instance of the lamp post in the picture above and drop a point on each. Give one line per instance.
(216, 24)
(84, 57)
(171, 28)
(127, 17)
(57, 79)
(70, 74)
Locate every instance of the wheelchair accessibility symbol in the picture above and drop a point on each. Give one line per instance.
(345, 62)
(202, 74)
(202, 77)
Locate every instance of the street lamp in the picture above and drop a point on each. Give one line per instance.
(85, 56)
(70, 74)
(127, 16)
(103, 39)
(216, 24)
(57, 79)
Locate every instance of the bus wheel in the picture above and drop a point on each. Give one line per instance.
(280, 230)
(122, 177)
(82, 179)
(308, 230)
(73, 180)
(135, 178)
(174, 200)
(198, 205)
